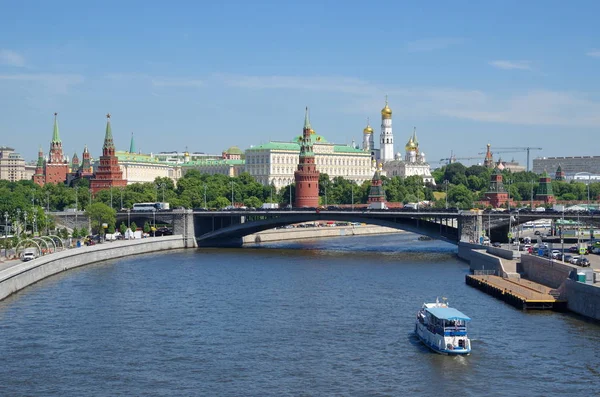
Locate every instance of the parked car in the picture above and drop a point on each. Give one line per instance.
(556, 254)
(567, 258)
(496, 244)
(582, 261)
(574, 259)
(573, 249)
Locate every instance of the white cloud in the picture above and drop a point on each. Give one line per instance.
(57, 83)
(432, 44)
(542, 107)
(593, 53)
(171, 82)
(11, 58)
(315, 83)
(534, 108)
(509, 65)
(157, 81)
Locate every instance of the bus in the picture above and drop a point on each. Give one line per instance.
(150, 206)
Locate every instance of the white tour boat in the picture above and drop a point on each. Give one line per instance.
(443, 329)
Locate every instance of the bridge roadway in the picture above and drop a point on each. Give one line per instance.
(218, 228)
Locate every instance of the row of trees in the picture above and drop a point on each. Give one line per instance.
(26, 203)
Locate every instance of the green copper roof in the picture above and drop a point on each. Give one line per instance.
(132, 148)
(292, 146)
(210, 162)
(55, 135)
(349, 149)
(234, 150)
(306, 119)
(108, 138)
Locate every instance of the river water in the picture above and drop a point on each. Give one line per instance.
(330, 317)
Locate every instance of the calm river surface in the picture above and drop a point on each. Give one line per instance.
(331, 317)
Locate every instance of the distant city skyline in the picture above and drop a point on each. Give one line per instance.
(209, 76)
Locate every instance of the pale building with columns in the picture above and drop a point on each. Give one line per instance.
(275, 162)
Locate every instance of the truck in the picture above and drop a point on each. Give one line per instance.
(269, 206)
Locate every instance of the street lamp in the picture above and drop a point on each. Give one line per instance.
(5, 231)
(121, 199)
(531, 206)
(25, 223)
(446, 185)
(154, 222)
(128, 223)
(205, 207)
(34, 224)
(562, 234)
(18, 222)
(232, 183)
(352, 189)
(76, 204)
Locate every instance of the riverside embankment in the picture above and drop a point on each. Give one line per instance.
(316, 232)
(16, 275)
(582, 298)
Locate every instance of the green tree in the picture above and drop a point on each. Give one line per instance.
(100, 213)
(146, 227)
(133, 226)
(460, 196)
(111, 228)
(75, 232)
(252, 202)
(123, 228)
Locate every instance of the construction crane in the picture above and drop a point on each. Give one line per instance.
(453, 159)
(516, 149)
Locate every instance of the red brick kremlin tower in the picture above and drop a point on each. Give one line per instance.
(39, 178)
(307, 176)
(109, 173)
(376, 192)
(496, 194)
(86, 163)
(56, 168)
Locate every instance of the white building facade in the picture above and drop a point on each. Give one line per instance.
(274, 163)
(414, 163)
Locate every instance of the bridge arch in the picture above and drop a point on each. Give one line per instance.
(232, 234)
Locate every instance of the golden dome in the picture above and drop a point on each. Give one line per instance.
(386, 112)
(368, 129)
(410, 145)
(312, 131)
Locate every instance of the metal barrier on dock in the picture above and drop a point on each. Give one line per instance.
(523, 294)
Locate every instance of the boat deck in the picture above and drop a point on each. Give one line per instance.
(523, 294)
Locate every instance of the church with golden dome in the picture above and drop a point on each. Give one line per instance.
(412, 163)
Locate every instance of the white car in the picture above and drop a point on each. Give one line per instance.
(574, 259)
(28, 256)
(556, 254)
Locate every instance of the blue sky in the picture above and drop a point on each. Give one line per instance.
(204, 76)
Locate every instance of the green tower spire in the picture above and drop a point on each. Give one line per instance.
(40, 162)
(55, 135)
(132, 148)
(108, 138)
(306, 120)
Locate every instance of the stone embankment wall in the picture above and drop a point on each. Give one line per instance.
(23, 274)
(545, 271)
(316, 232)
(583, 298)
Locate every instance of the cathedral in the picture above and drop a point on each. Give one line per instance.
(412, 163)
